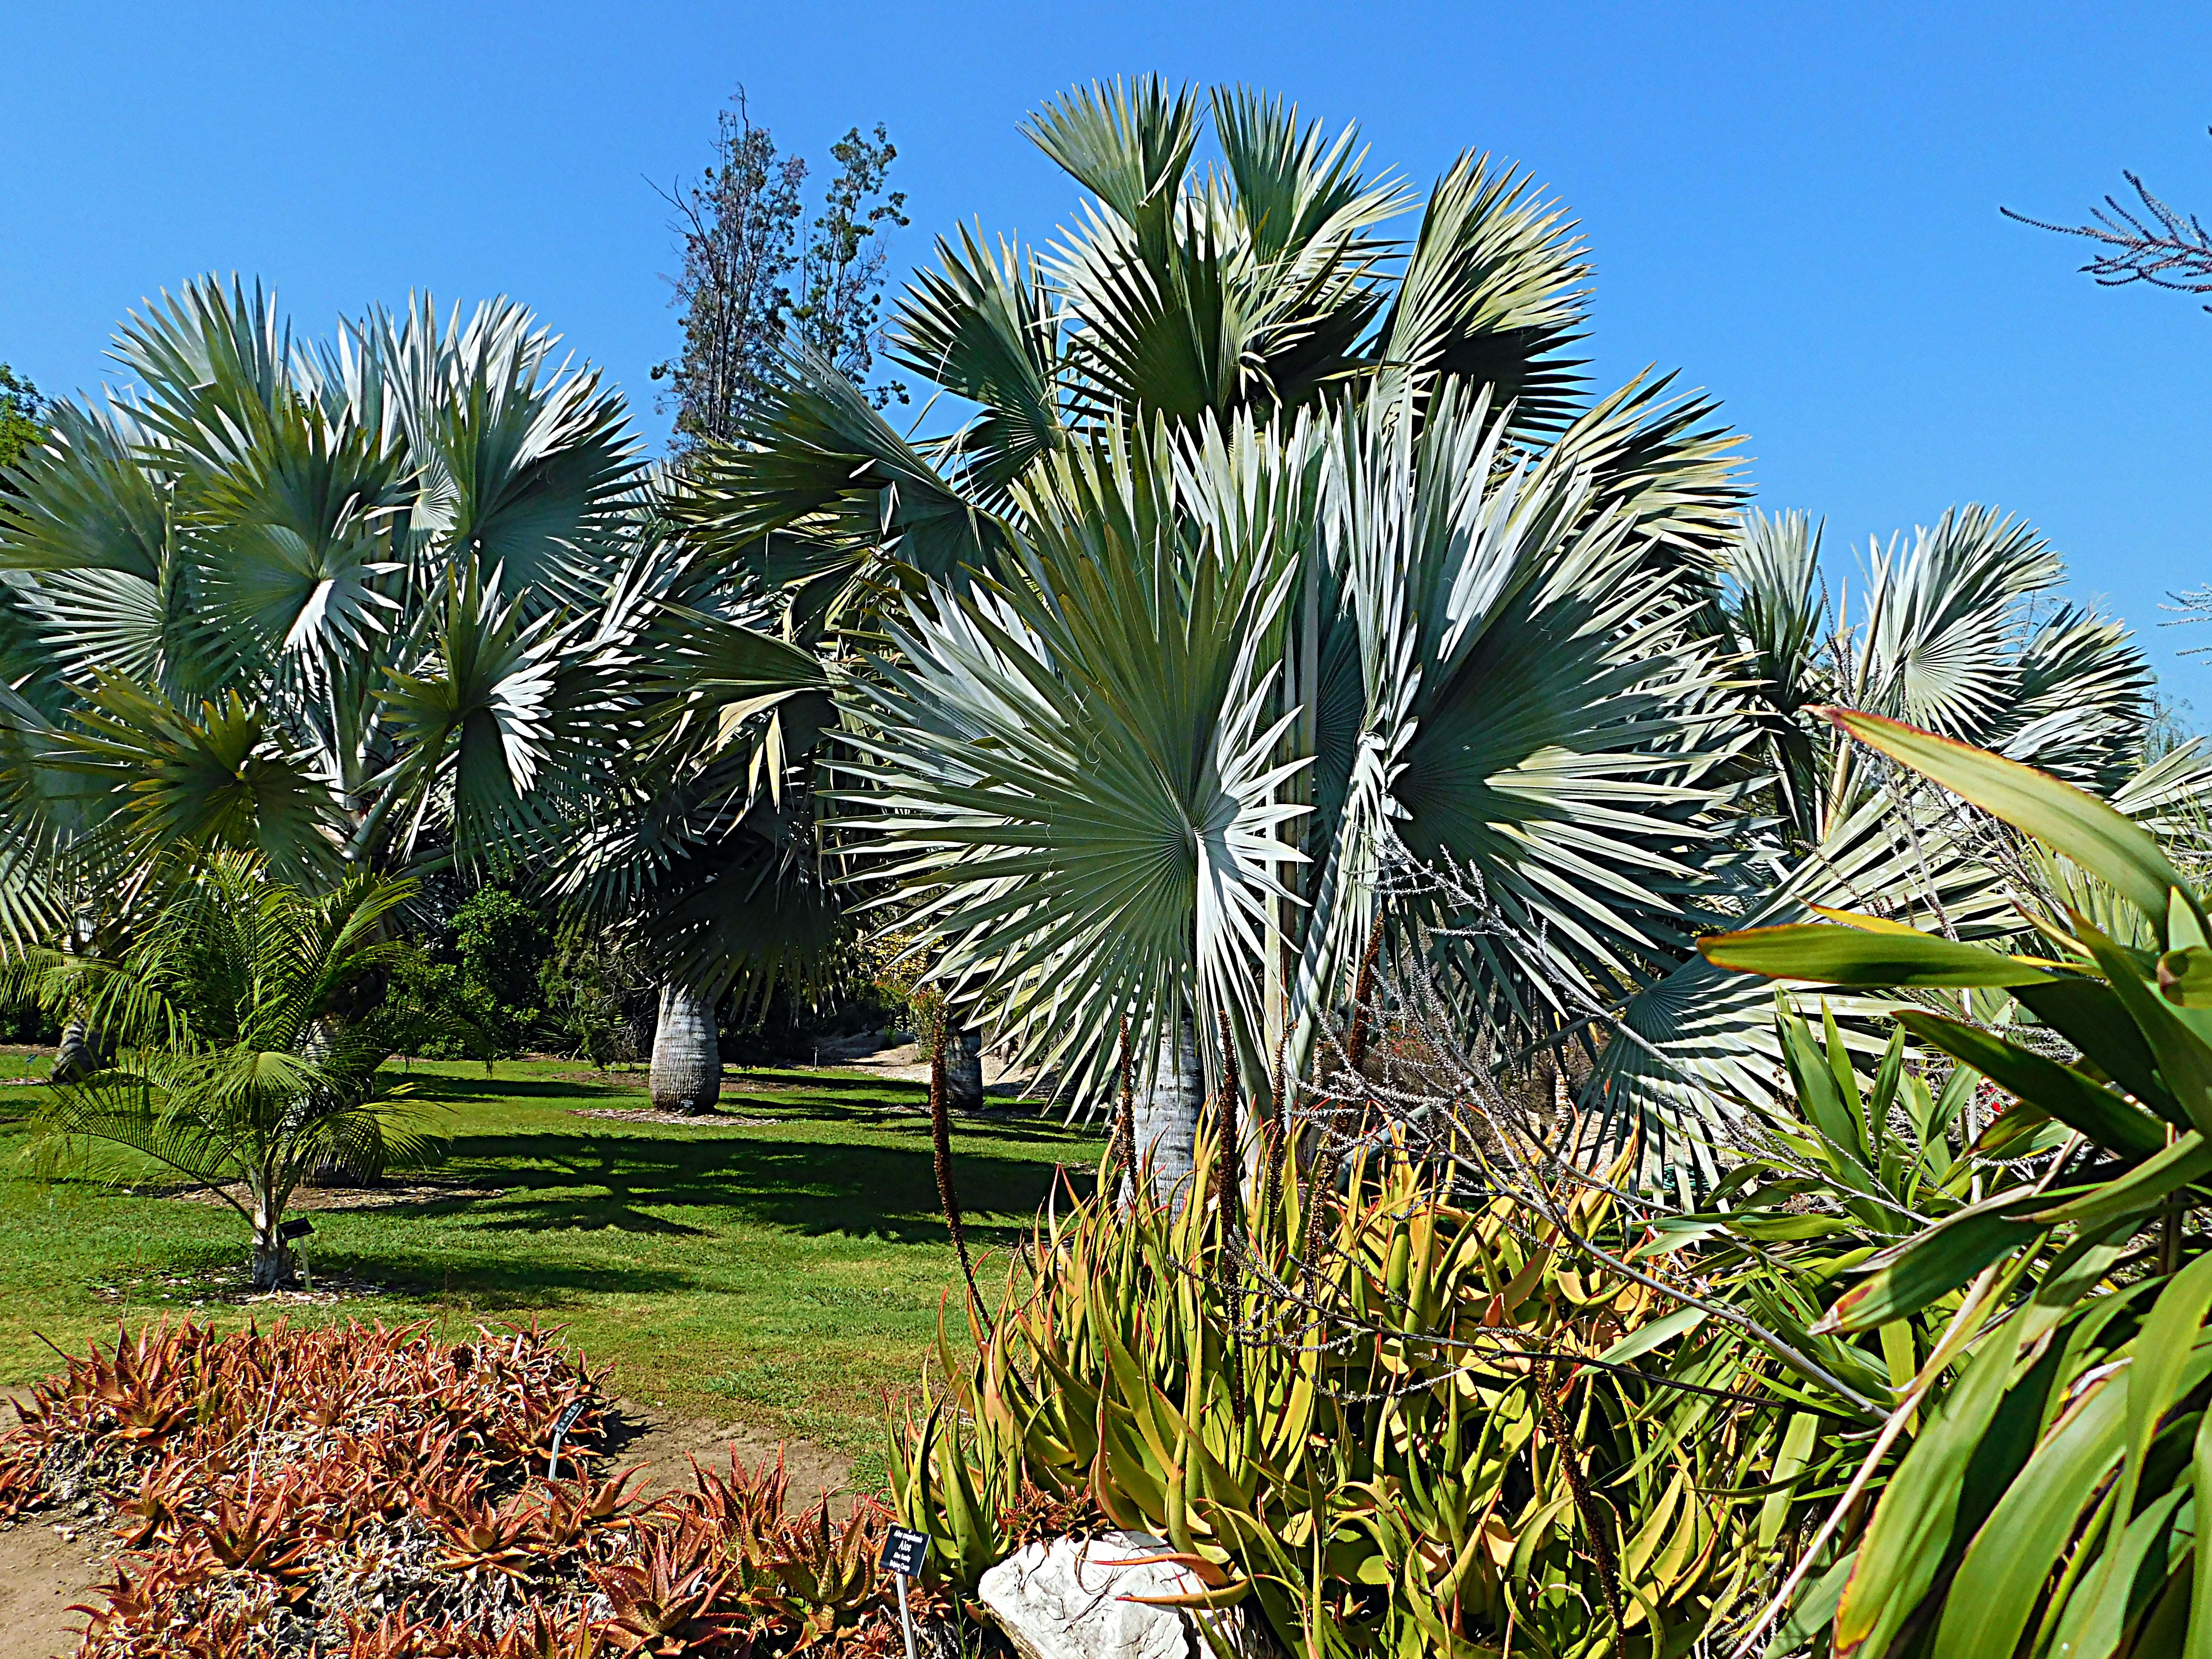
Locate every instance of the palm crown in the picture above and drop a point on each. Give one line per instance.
(372, 606)
(1272, 542)
(1277, 551)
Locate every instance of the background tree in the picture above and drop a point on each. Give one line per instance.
(743, 239)
(839, 315)
(738, 225)
(22, 418)
(2152, 242)
(710, 836)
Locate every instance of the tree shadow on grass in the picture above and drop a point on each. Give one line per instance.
(900, 1118)
(581, 1180)
(493, 1283)
(435, 1087)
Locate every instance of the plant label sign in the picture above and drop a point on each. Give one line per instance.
(904, 1551)
(567, 1420)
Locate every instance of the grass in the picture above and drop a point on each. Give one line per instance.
(785, 1273)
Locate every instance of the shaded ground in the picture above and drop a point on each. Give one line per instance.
(780, 1263)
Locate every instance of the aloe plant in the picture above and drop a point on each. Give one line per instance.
(1453, 1425)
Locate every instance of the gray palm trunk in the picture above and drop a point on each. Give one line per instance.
(1166, 1117)
(272, 1255)
(963, 1069)
(687, 1056)
(75, 1061)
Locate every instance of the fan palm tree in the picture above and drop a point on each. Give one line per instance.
(236, 1067)
(1956, 631)
(1277, 552)
(701, 846)
(371, 606)
(1209, 419)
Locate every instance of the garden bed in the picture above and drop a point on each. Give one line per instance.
(383, 1494)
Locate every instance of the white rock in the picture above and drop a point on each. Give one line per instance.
(1069, 1598)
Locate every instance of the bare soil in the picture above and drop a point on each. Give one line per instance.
(392, 1197)
(42, 1574)
(229, 1287)
(665, 1443)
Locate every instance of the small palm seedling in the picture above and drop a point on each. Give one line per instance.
(235, 1066)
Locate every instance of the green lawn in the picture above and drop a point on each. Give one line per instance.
(784, 1273)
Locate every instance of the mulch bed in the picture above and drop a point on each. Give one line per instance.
(389, 1197)
(231, 1288)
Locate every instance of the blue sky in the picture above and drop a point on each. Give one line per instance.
(1795, 206)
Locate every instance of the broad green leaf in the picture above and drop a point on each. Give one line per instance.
(1826, 955)
(2070, 821)
(2141, 1190)
(1818, 1094)
(2106, 1599)
(2184, 977)
(2199, 1644)
(1909, 1533)
(2092, 1018)
(2063, 1092)
(1909, 1276)
(1789, 1463)
(2000, 1583)
(2185, 1063)
(2157, 1358)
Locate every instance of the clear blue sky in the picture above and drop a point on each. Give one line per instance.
(1796, 206)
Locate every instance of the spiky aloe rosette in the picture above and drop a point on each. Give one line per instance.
(379, 1494)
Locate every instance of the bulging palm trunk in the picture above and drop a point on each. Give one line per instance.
(963, 1069)
(687, 1056)
(76, 1059)
(272, 1256)
(1166, 1117)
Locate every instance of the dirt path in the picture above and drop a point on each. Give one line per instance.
(40, 1576)
(666, 1445)
(42, 1573)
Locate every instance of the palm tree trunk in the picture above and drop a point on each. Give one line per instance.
(75, 1059)
(1167, 1112)
(963, 1068)
(272, 1256)
(687, 1056)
